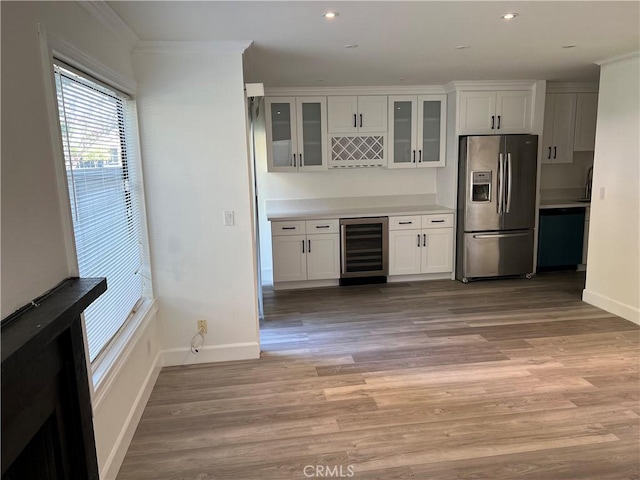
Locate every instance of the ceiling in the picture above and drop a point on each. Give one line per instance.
(399, 43)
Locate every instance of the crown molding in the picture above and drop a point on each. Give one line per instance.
(618, 58)
(169, 47)
(102, 12)
(479, 85)
(369, 90)
(572, 87)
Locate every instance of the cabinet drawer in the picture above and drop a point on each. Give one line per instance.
(322, 226)
(287, 228)
(437, 221)
(404, 223)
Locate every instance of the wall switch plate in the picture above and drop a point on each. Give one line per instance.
(202, 326)
(228, 218)
(602, 192)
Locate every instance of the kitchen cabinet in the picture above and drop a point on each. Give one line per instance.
(586, 113)
(495, 112)
(417, 131)
(305, 250)
(357, 114)
(420, 244)
(296, 134)
(559, 127)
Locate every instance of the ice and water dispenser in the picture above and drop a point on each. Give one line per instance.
(481, 186)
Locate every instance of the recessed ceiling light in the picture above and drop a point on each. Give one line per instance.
(402, 79)
(509, 16)
(568, 46)
(462, 47)
(330, 15)
(351, 45)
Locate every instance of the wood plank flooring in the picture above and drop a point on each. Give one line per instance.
(507, 379)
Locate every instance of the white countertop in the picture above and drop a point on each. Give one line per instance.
(322, 208)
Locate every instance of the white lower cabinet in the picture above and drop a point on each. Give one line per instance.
(323, 256)
(427, 249)
(289, 260)
(305, 250)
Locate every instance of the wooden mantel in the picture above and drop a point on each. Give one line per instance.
(47, 422)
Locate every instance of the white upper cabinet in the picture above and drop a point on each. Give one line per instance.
(495, 112)
(357, 114)
(417, 131)
(559, 128)
(296, 134)
(586, 112)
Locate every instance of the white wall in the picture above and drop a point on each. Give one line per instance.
(193, 131)
(613, 272)
(33, 241)
(566, 175)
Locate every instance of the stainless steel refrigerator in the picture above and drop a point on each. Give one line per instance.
(496, 206)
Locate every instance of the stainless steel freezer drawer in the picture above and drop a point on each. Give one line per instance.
(493, 254)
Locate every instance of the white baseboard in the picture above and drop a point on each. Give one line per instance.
(419, 278)
(334, 282)
(116, 457)
(211, 353)
(623, 310)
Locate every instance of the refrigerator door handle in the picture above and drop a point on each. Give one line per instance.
(502, 235)
(510, 181)
(500, 182)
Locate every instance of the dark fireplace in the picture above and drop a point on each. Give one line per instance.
(47, 425)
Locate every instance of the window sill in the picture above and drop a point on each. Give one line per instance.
(107, 367)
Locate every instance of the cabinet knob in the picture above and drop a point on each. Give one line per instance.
(493, 122)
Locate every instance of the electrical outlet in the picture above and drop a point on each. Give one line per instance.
(602, 193)
(202, 325)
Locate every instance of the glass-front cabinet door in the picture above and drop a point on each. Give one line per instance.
(417, 130)
(312, 133)
(296, 133)
(432, 127)
(281, 134)
(402, 130)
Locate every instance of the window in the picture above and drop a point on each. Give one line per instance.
(97, 124)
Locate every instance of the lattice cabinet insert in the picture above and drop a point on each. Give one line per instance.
(358, 151)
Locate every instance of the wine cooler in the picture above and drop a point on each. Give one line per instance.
(364, 247)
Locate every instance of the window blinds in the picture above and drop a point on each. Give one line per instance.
(97, 126)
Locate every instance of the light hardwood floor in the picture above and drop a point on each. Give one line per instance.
(507, 379)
